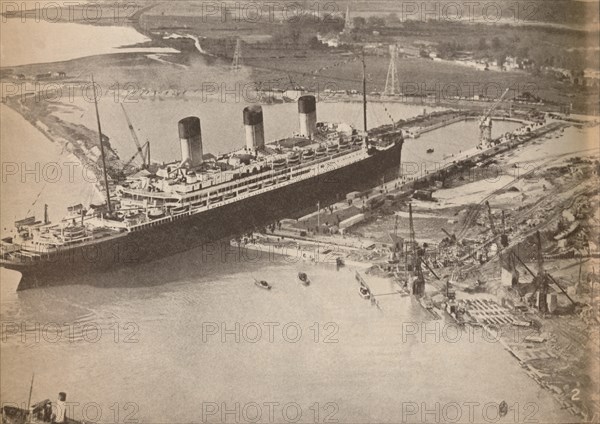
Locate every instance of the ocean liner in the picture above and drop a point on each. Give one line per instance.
(173, 207)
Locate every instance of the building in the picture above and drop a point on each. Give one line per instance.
(330, 40)
(591, 77)
(409, 51)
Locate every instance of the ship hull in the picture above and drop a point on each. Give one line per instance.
(82, 265)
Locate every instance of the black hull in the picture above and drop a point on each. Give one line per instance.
(80, 265)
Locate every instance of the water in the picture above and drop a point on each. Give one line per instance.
(367, 371)
(67, 41)
(29, 175)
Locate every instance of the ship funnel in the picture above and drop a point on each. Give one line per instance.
(253, 124)
(307, 111)
(190, 138)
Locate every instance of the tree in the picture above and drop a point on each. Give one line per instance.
(314, 43)
(522, 52)
(359, 22)
(496, 43)
(500, 59)
(392, 19)
(376, 21)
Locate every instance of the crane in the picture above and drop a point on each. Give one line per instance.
(498, 237)
(145, 156)
(485, 123)
(503, 237)
(451, 237)
(418, 283)
(542, 279)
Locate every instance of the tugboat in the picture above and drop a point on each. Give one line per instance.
(304, 278)
(364, 292)
(262, 284)
(429, 150)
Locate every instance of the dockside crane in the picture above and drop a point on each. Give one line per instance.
(542, 279)
(503, 236)
(418, 280)
(142, 151)
(497, 236)
(485, 123)
(452, 236)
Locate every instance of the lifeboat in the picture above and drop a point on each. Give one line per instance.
(356, 141)
(74, 232)
(229, 195)
(179, 209)
(304, 278)
(278, 163)
(293, 158)
(344, 144)
(155, 213)
(262, 284)
(332, 148)
(321, 151)
(308, 154)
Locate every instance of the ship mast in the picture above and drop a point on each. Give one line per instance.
(364, 90)
(29, 400)
(102, 149)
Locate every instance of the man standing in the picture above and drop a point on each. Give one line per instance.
(60, 411)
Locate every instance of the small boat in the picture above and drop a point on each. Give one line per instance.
(332, 148)
(179, 209)
(293, 158)
(39, 413)
(262, 284)
(304, 278)
(308, 154)
(364, 292)
(429, 150)
(344, 144)
(280, 162)
(320, 151)
(155, 213)
(503, 409)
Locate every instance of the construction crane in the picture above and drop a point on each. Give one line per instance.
(145, 153)
(418, 283)
(503, 236)
(451, 237)
(485, 123)
(491, 218)
(142, 151)
(542, 279)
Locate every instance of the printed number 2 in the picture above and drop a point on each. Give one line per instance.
(575, 394)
